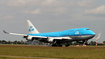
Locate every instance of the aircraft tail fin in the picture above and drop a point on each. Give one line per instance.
(31, 28)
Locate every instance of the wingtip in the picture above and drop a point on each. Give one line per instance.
(5, 32)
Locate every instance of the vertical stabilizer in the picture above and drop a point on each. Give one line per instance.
(31, 28)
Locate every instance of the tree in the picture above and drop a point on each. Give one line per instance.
(4, 42)
(103, 41)
(9, 42)
(15, 42)
(18, 42)
(22, 42)
(0, 41)
(92, 43)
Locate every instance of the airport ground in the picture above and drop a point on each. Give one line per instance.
(46, 52)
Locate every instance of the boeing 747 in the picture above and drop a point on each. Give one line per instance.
(80, 35)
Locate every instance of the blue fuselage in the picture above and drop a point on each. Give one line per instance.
(81, 33)
(70, 32)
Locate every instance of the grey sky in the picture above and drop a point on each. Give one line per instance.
(51, 15)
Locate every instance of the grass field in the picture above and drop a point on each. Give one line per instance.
(71, 52)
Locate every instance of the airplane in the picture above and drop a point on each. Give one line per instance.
(80, 35)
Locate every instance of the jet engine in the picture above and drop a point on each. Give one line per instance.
(30, 38)
(50, 40)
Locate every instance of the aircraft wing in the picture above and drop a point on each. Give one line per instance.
(60, 38)
(25, 35)
(37, 37)
(14, 33)
(56, 38)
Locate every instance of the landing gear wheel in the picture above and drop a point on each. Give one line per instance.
(60, 45)
(54, 45)
(66, 45)
(85, 42)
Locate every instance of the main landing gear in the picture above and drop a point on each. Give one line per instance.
(57, 44)
(60, 43)
(83, 42)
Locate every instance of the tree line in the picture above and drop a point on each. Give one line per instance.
(21, 42)
(14, 42)
(35, 42)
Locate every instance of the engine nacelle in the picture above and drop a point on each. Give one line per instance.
(29, 38)
(50, 40)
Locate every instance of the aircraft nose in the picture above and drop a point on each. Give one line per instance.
(92, 33)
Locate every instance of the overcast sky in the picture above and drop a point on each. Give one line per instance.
(51, 15)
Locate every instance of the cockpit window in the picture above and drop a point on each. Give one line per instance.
(87, 29)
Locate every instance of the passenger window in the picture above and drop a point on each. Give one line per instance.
(87, 29)
(71, 31)
(78, 30)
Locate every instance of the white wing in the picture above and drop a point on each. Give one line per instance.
(25, 35)
(14, 33)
